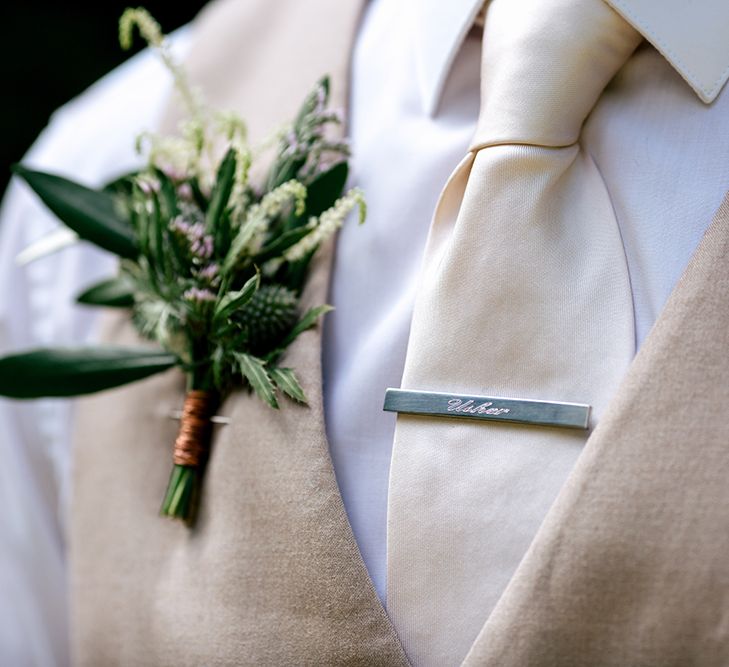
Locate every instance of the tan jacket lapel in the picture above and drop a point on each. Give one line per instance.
(271, 575)
(630, 567)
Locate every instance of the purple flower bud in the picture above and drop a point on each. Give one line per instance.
(209, 273)
(180, 226)
(202, 246)
(148, 185)
(173, 173)
(184, 191)
(208, 247)
(199, 295)
(196, 231)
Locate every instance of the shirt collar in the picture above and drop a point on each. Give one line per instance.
(439, 29)
(692, 36)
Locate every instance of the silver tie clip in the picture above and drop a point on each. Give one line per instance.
(489, 408)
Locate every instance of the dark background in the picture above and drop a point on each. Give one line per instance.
(51, 51)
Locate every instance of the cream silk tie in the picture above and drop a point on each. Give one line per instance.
(524, 293)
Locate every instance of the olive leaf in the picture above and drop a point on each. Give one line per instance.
(92, 214)
(113, 293)
(59, 372)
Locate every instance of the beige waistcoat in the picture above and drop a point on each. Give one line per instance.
(631, 566)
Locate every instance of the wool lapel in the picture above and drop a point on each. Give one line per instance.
(630, 566)
(271, 574)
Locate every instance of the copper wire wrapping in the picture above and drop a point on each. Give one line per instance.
(193, 439)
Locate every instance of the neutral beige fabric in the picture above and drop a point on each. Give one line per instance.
(524, 292)
(628, 569)
(271, 575)
(630, 566)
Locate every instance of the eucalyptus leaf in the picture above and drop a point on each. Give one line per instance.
(113, 293)
(234, 300)
(92, 214)
(285, 379)
(254, 370)
(59, 372)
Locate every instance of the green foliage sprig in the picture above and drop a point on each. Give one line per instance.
(212, 265)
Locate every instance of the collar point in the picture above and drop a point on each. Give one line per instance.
(691, 36)
(708, 96)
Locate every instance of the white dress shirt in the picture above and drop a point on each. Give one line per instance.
(91, 139)
(414, 101)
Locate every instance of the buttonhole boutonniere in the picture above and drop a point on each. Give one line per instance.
(212, 266)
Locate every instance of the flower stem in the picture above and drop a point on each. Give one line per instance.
(190, 456)
(182, 493)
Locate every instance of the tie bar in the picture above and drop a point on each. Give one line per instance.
(488, 408)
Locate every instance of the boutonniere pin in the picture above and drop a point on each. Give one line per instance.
(212, 266)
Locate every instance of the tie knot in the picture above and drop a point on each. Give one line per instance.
(544, 65)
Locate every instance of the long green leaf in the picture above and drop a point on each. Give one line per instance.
(283, 171)
(90, 213)
(281, 243)
(295, 273)
(221, 191)
(325, 189)
(121, 185)
(238, 244)
(75, 371)
(306, 322)
(161, 256)
(285, 379)
(113, 293)
(234, 300)
(218, 359)
(254, 370)
(167, 194)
